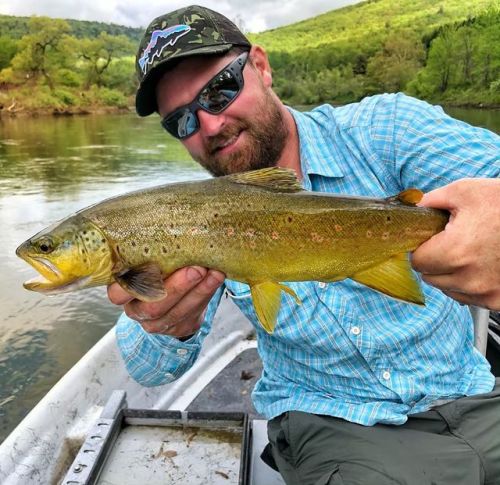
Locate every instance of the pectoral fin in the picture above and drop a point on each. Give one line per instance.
(266, 298)
(144, 282)
(394, 278)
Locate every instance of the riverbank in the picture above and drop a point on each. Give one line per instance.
(35, 100)
(116, 103)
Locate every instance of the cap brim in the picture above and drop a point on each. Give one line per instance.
(145, 98)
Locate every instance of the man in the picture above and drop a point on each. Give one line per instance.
(358, 387)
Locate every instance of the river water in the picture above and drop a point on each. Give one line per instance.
(49, 168)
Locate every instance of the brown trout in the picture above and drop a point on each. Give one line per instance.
(259, 228)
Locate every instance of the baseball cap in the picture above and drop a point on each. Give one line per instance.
(188, 31)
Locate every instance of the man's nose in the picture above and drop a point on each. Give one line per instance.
(211, 124)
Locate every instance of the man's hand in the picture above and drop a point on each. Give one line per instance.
(181, 312)
(464, 259)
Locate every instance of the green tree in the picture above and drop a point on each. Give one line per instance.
(39, 51)
(397, 63)
(97, 55)
(8, 49)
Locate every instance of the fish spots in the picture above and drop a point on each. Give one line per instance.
(117, 249)
(289, 219)
(250, 232)
(315, 237)
(134, 244)
(230, 231)
(146, 250)
(178, 246)
(252, 244)
(275, 235)
(385, 235)
(193, 231)
(369, 234)
(164, 250)
(338, 228)
(216, 215)
(388, 219)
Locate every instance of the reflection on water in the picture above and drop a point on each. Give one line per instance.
(49, 168)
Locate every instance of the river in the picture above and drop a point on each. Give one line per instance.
(49, 168)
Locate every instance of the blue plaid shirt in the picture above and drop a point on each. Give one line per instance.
(348, 351)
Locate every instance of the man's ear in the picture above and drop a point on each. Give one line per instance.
(260, 61)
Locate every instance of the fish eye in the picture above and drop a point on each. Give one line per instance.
(46, 245)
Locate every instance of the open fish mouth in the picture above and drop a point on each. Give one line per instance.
(49, 272)
(43, 285)
(50, 280)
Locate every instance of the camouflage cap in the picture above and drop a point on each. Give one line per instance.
(189, 31)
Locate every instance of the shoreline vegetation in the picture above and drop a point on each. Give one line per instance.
(445, 52)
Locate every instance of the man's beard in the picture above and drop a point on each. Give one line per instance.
(266, 139)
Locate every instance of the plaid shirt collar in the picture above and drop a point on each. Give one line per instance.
(315, 157)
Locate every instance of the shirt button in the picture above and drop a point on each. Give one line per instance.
(322, 284)
(182, 351)
(355, 330)
(386, 375)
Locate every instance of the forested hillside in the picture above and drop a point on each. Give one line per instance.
(17, 27)
(446, 52)
(443, 51)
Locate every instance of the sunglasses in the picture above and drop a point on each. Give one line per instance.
(214, 98)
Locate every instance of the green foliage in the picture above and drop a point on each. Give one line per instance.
(8, 49)
(98, 53)
(445, 52)
(39, 51)
(17, 27)
(68, 77)
(120, 75)
(463, 61)
(110, 97)
(385, 46)
(65, 97)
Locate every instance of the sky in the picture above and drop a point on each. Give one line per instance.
(249, 15)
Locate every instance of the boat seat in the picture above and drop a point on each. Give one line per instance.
(481, 317)
(261, 473)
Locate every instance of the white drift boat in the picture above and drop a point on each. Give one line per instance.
(97, 425)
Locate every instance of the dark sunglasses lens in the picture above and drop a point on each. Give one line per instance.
(219, 93)
(181, 124)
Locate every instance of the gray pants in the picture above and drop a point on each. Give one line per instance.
(457, 443)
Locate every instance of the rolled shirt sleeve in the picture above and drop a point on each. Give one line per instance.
(155, 359)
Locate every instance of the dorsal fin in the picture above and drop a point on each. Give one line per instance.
(407, 197)
(274, 178)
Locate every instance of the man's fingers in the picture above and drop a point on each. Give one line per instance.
(176, 285)
(427, 258)
(197, 299)
(184, 318)
(445, 197)
(118, 295)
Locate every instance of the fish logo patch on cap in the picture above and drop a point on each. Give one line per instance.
(159, 40)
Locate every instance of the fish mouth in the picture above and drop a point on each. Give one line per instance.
(43, 285)
(49, 271)
(50, 279)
